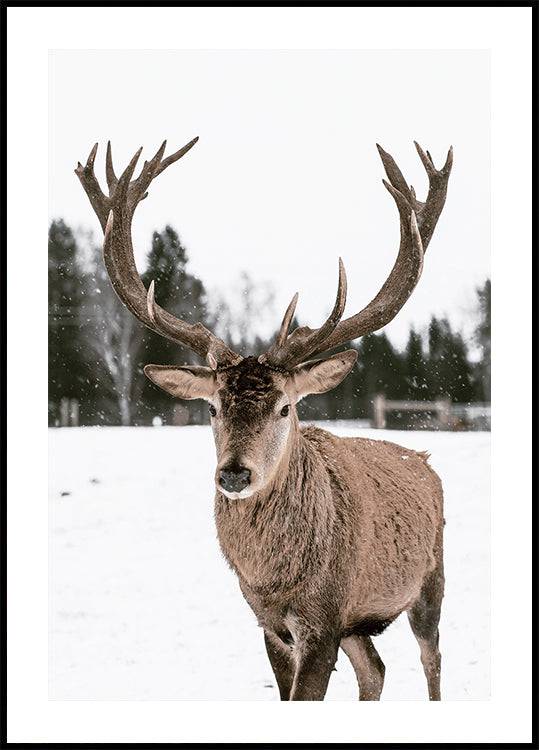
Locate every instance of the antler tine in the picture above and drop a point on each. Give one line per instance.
(115, 214)
(323, 332)
(91, 157)
(287, 320)
(93, 190)
(393, 172)
(287, 352)
(112, 180)
(438, 180)
(149, 171)
(426, 158)
(150, 302)
(403, 204)
(446, 169)
(177, 155)
(417, 223)
(125, 179)
(196, 336)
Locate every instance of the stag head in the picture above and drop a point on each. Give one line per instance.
(252, 401)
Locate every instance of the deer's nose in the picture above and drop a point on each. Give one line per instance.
(234, 478)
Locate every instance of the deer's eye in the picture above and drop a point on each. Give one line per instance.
(285, 411)
(212, 410)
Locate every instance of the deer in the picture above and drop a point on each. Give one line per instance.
(331, 538)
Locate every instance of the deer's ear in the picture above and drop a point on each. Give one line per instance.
(321, 375)
(187, 382)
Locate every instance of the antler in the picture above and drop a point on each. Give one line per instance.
(115, 214)
(417, 223)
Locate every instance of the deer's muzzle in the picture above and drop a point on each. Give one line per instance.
(234, 478)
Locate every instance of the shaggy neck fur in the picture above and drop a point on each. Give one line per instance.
(276, 538)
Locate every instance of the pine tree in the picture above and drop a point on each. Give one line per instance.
(112, 340)
(380, 369)
(183, 295)
(345, 400)
(415, 368)
(482, 339)
(436, 356)
(68, 370)
(382, 366)
(460, 386)
(449, 372)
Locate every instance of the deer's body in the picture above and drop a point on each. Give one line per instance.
(340, 542)
(344, 538)
(331, 538)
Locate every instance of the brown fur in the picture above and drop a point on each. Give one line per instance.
(345, 535)
(339, 543)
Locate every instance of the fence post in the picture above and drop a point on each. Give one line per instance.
(74, 412)
(379, 409)
(64, 412)
(180, 415)
(443, 408)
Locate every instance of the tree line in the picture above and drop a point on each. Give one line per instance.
(97, 349)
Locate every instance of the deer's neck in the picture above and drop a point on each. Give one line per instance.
(275, 538)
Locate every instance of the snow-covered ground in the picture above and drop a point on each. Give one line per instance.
(143, 606)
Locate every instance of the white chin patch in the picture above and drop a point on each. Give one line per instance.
(247, 492)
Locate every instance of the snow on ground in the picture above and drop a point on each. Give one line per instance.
(143, 605)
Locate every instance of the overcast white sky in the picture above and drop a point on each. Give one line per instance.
(286, 176)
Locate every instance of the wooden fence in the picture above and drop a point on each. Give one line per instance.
(448, 416)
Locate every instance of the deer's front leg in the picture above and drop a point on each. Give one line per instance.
(282, 663)
(315, 659)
